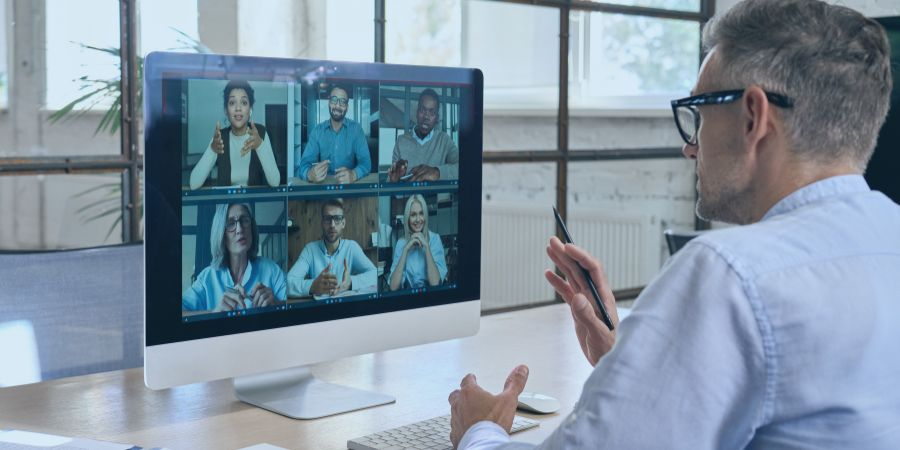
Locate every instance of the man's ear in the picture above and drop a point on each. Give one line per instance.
(756, 117)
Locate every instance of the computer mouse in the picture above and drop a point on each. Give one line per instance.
(538, 403)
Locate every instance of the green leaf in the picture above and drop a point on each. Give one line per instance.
(113, 187)
(56, 116)
(111, 117)
(92, 205)
(103, 214)
(112, 227)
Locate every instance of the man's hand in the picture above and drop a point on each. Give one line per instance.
(471, 404)
(397, 170)
(218, 145)
(345, 175)
(425, 173)
(253, 142)
(262, 295)
(324, 283)
(318, 171)
(593, 335)
(346, 283)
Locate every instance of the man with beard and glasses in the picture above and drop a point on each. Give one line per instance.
(425, 154)
(780, 333)
(332, 265)
(337, 146)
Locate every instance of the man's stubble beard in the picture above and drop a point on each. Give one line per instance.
(339, 118)
(729, 204)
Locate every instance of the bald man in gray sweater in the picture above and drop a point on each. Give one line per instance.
(425, 154)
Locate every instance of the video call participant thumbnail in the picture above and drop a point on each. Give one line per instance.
(336, 146)
(418, 256)
(236, 278)
(331, 265)
(241, 151)
(426, 154)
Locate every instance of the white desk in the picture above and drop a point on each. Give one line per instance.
(116, 406)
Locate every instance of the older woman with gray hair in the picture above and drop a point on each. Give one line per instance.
(236, 278)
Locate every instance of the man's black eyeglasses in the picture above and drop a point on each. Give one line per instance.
(335, 219)
(687, 116)
(335, 100)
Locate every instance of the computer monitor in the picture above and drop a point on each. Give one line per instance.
(300, 211)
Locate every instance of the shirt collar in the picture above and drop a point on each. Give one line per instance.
(325, 249)
(829, 187)
(226, 271)
(326, 125)
(426, 139)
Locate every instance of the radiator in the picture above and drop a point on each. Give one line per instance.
(513, 257)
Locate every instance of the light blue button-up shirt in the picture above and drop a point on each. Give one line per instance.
(415, 273)
(783, 334)
(211, 283)
(345, 148)
(315, 258)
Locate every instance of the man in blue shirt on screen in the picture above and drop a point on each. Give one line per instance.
(783, 332)
(336, 147)
(332, 265)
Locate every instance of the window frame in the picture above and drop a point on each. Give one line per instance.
(562, 155)
(130, 163)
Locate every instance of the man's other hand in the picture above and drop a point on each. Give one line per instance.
(593, 335)
(325, 283)
(397, 170)
(345, 175)
(346, 281)
(471, 404)
(425, 173)
(318, 171)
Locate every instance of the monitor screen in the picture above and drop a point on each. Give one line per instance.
(283, 192)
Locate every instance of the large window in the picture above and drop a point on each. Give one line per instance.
(617, 60)
(82, 38)
(69, 181)
(571, 89)
(626, 62)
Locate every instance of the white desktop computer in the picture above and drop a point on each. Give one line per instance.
(301, 211)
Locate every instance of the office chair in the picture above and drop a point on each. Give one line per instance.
(85, 306)
(676, 240)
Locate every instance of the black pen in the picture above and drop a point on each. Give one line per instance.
(587, 276)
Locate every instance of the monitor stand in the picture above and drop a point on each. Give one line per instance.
(296, 393)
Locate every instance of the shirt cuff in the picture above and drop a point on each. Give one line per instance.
(483, 435)
(360, 172)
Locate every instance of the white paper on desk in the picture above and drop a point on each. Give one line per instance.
(348, 293)
(263, 447)
(50, 441)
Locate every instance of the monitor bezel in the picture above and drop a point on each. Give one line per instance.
(163, 193)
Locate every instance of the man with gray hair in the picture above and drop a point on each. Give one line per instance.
(781, 333)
